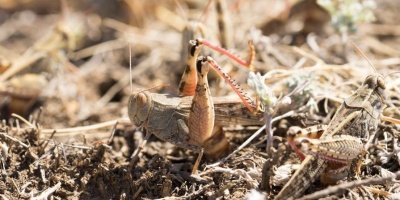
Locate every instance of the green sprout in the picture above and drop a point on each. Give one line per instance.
(347, 14)
(257, 83)
(306, 93)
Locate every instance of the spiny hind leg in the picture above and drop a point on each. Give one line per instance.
(185, 129)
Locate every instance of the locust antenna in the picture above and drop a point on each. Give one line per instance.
(200, 19)
(391, 74)
(359, 50)
(183, 13)
(152, 88)
(130, 66)
(64, 9)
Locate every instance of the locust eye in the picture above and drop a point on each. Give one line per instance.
(381, 83)
(293, 131)
(141, 100)
(299, 142)
(138, 109)
(303, 144)
(199, 63)
(202, 65)
(194, 46)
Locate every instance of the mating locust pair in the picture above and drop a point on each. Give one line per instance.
(190, 122)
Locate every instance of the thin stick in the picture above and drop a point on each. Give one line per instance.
(83, 128)
(21, 63)
(112, 133)
(269, 131)
(390, 119)
(197, 193)
(48, 140)
(98, 49)
(23, 119)
(345, 186)
(309, 55)
(14, 139)
(251, 139)
(45, 194)
(130, 66)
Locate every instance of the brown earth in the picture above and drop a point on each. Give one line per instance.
(67, 74)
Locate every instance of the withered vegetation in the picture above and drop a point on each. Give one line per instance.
(64, 85)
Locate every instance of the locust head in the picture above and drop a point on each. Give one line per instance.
(139, 107)
(377, 83)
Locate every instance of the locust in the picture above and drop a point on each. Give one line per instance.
(188, 121)
(340, 142)
(228, 110)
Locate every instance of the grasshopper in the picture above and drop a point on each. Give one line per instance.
(228, 110)
(339, 148)
(188, 122)
(357, 118)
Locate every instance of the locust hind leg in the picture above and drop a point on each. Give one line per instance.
(187, 85)
(338, 149)
(196, 164)
(183, 128)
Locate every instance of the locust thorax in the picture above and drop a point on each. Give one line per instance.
(139, 107)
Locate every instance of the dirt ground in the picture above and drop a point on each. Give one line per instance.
(65, 82)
